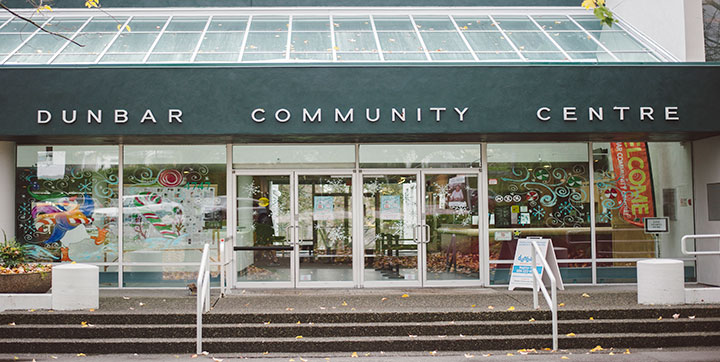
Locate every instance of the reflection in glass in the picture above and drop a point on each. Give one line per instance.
(451, 213)
(325, 228)
(390, 227)
(263, 228)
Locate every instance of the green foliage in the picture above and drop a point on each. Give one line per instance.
(12, 254)
(605, 15)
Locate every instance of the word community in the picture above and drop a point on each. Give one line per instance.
(372, 115)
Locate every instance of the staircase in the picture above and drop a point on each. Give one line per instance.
(105, 333)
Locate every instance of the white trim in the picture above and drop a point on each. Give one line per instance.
(157, 39)
(114, 38)
(567, 57)
(484, 224)
(594, 39)
(462, 36)
(245, 37)
(420, 38)
(332, 40)
(507, 38)
(377, 38)
(593, 237)
(121, 222)
(289, 38)
(201, 39)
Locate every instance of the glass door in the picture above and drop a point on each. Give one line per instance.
(325, 230)
(391, 237)
(450, 232)
(264, 238)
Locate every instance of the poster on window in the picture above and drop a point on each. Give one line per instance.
(631, 164)
(323, 208)
(390, 207)
(457, 199)
(51, 165)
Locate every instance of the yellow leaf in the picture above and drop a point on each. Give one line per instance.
(660, 318)
(73, 263)
(570, 334)
(80, 355)
(509, 354)
(298, 337)
(344, 303)
(592, 319)
(611, 354)
(561, 305)
(472, 306)
(589, 4)
(627, 351)
(404, 296)
(266, 352)
(491, 307)
(511, 308)
(11, 323)
(586, 295)
(532, 320)
(92, 309)
(597, 348)
(564, 357)
(354, 355)
(128, 28)
(84, 324)
(433, 353)
(336, 48)
(47, 7)
(384, 299)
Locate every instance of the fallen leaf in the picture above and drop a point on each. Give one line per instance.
(131, 308)
(217, 359)
(205, 353)
(344, 304)
(11, 323)
(141, 304)
(92, 309)
(266, 352)
(627, 351)
(531, 320)
(298, 322)
(467, 355)
(491, 307)
(354, 355)
(561, 305)
(660, 318)
(53, 357)
(268, 322)
(126, 298)
(586, 295)
(597, 348)
(611, 354)
(509, 354)
(80, 355)
(291, 360)
(472, 306)
(592, 319)
(404, 296)
(547, 349)
(511, 308)
(298, 337)
(302, 359)
(322, 308)
(564, 357)
(570, 334)
(487, 355)
(384, 299)
(367, 354)
(691, 317)
(31, 310)
(433, 353)
(84, 324)
(412, 335)
(676, 315)
(289, 309)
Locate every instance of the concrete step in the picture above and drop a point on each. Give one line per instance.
(358, 344)
(290, 330)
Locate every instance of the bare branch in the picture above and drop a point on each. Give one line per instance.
(39, 26)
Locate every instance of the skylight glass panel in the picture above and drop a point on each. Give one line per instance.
(618, 41)
(270, 23)
(355, 41)
(575, 41)
(270, 41)
(515, 23)
(476, 23)
(393, 23)
(589, 22)
(222, 43)
(38, 49)
(636, 57)
(352, 23)
(228, 23)
(104, 25)
(186, 24)
(488, 41)
(443, 42)
(497, 56)
(531, 41)
(555, 23)
(301, 23)
(311, 42)
(438, 23)
(397, 41)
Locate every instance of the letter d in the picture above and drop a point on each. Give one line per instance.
(43, 116)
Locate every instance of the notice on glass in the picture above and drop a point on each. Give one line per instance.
(390, 207)
(323, 208)
(51, 165)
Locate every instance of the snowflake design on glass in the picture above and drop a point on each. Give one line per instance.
(461, 210)
(250, 189)
(28, 226)
(336, 234)
(85, 186)
(566, 208)
(605, 217)
(396, 229)
(466, 221)
(372, 188)
(441, 189)
(538, 212)
(334, 185)
(25, 208)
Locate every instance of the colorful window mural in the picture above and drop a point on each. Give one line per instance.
(174, 201)
(540, 190)
(66, 199)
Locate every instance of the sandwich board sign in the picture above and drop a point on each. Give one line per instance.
(522, 276)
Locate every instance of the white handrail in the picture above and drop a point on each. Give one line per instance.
(203, 293)
(683, 244)
(551, 300)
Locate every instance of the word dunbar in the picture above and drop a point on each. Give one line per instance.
(118, 116)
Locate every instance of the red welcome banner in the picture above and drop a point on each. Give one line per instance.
(634, 180)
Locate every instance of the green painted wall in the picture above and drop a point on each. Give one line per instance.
(503, 101)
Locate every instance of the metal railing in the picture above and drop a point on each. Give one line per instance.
(203, 293)
(683, 244)
(551, 299)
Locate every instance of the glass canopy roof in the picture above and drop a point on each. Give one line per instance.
(233, 37)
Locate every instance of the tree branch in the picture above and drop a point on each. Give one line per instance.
(38, 26)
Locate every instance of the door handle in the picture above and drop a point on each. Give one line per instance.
(426, 240)
(288, 235)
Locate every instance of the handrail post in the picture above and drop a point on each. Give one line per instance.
(536, 303)
(203, 294)
(550, 299)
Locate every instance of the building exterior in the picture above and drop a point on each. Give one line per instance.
(338, 145)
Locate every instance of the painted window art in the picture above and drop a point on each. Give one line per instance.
(540, 190)
(66, 202)
(173, 203)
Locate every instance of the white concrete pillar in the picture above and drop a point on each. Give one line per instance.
(675, 25)
(7, 188)
(660, 281)
(706, 170)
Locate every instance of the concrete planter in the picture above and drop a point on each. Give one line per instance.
(39, 282)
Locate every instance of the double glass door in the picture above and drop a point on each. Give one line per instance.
(368, 229)
(420, 228)
(293, 229)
